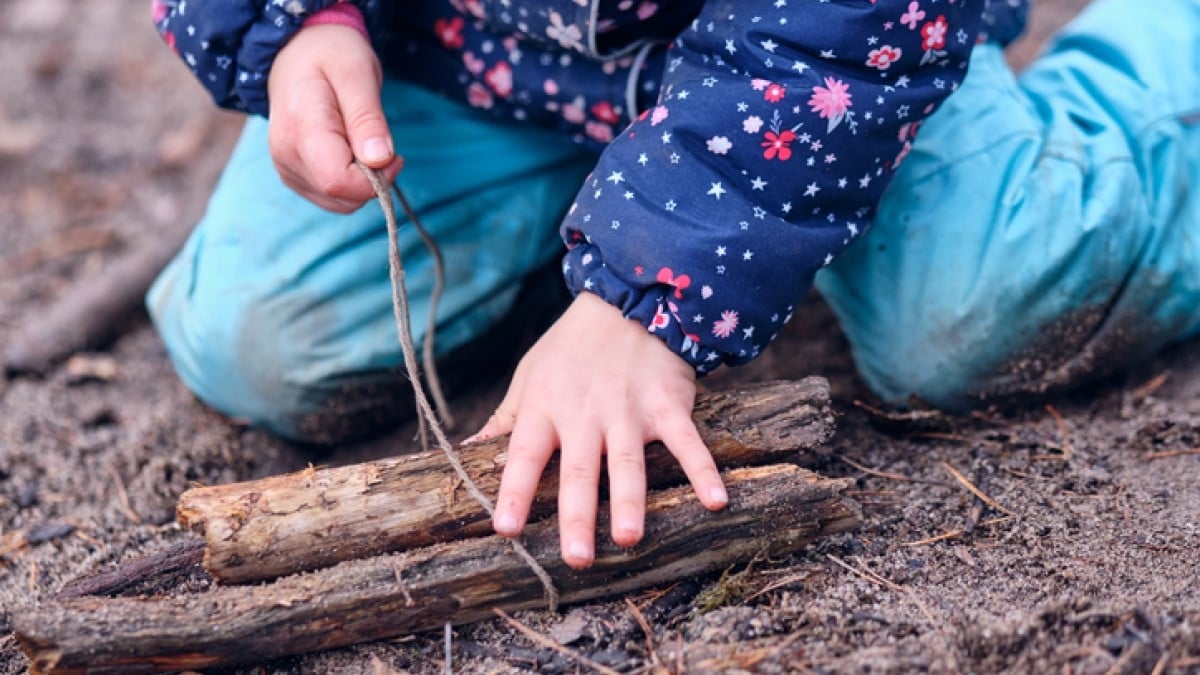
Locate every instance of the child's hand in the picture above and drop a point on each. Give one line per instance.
(597, 383)
(325, 111)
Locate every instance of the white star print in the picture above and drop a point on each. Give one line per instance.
(666, 137)
(642, 159)
(615, 177)
(747, 254)
(769, 45)
(716, 190)
(758, 183)
(670, 205)
(720, 251)
(864, 181)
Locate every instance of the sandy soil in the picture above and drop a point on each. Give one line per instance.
(104, 142)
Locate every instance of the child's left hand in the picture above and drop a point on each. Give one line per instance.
(597, 383)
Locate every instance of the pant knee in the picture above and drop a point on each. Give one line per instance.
(246, 357)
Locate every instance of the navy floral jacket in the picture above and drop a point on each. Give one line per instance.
(744, 143)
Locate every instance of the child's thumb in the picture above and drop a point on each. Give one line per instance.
(366, 127)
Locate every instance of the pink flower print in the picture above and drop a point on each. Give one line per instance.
(646, 10)
(719, 145)
(758, 84)
(934, 34)
(550, 87)
(752, 124)
(661, 320)
(570, 37)
(479, 96)
(659, 114)
(605, 112)
(884, 57)
(598, 131)
(778, 145)
(725, 325)
(499, 78)
(473, 63)
(472, 7)
(774, 92)
(831, 101)
(912, 16)
(449, 32)
(169, 38)
(160, 10)
(666, 276)
(573, 111)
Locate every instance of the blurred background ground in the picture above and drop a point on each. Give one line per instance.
(105, 142)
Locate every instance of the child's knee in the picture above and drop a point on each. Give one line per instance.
(246, 356)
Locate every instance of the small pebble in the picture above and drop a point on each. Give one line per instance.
(49, 532)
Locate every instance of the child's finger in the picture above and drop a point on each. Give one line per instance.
(504, 419)
(331, 170)
(679, 434)
(578, 484)
(532, 443)
(626, 486)
(356, 87)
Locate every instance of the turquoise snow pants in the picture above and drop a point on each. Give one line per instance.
(1042, 230)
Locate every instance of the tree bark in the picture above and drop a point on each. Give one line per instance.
(775, 509)
(315, 518)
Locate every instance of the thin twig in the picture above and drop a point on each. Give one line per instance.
(424, 409)
(955, 533)
(1161, 666)
(875, 578)
(123, 497)
(641, 619)
(974, 490)
(1062, 430)
(1173, 453)
(876, 472)
(553, 644)
(1141, 393)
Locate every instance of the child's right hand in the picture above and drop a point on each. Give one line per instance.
(325, 112)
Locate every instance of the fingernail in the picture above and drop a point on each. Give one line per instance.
(629, 530)
(376, 150)
(579, 550)
(719, 495)
(506, 524)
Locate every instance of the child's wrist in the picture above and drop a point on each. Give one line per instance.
(340, 14)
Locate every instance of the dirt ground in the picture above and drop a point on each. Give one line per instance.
(105, 142)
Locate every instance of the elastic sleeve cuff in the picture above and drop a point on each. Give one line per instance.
(341, 14)
(652, 305)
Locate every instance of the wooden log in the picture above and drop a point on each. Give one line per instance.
(92, 312)
(316, 518)
(775, 509)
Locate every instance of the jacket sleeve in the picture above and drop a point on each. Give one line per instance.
(229, 45)
(778, 125)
